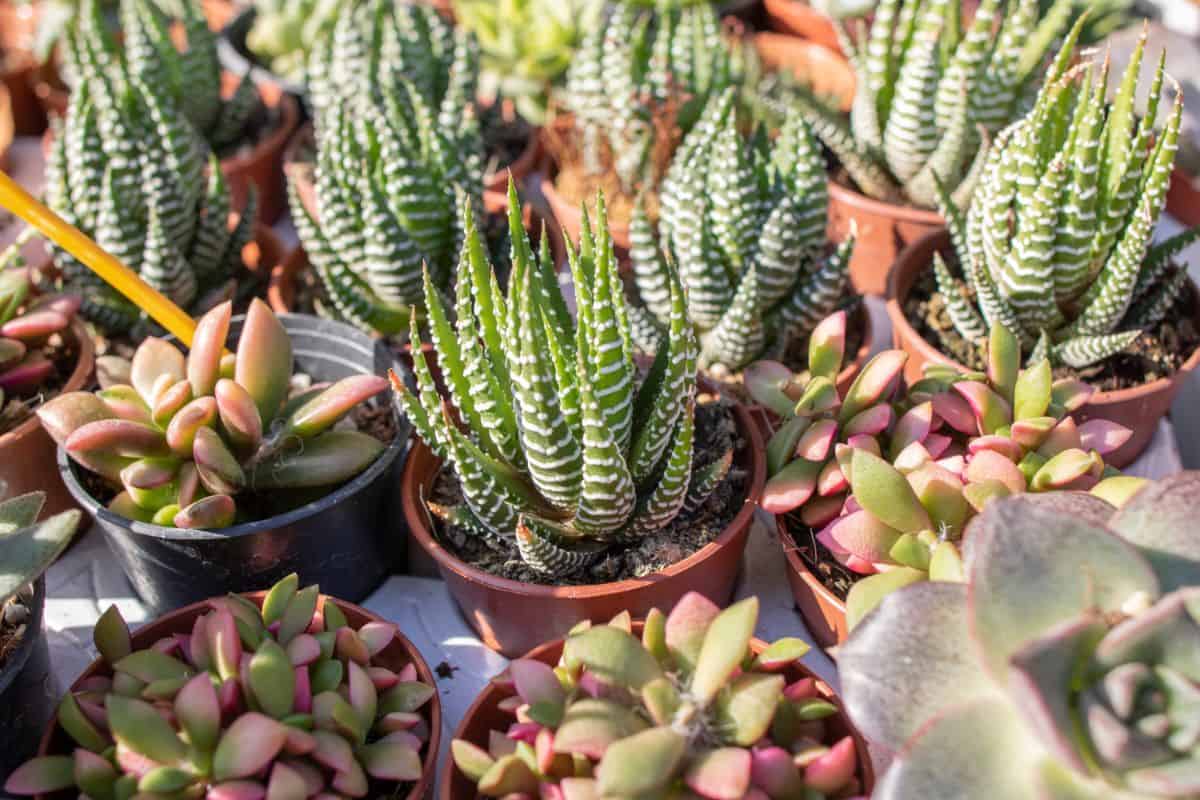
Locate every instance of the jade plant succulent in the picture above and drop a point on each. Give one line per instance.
(28, 321)
(1057, 246)
(398, 153)
(891, 479)
(284, 31)
(561, 448)
(185, 436)
(284, 701)
(28, 546)
(1063, 668)
(187, 81)
(931, 91)
(744, 223)
(633, 67)
(689, 709)
(129, 171)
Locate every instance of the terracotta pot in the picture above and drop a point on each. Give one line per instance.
(569, 219)
(6, 125)
(513, 617)
(884, 230)
(28, 456)
(825, 71)
(217, 12)
(1138, 408)
(18, 23)
(1183, 197)
(397, 654)
(484, 715)
(798, 18)
(824, 613)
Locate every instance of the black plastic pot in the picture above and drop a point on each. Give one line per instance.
(235, 55)
(346, 542)
(28, 692)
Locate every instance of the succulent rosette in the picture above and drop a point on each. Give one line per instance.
(1065, 667)
(284, 701)
(687, 709)
(890, 477)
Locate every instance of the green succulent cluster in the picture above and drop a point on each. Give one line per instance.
(561, 450)
(128, 169)
(1058, 245)
(284, 31)
(286, 699)
(30, 546)
(743, 221)
(399, 153)
(633, 67)
(1065, 666)
(689, 708)
(930, 92)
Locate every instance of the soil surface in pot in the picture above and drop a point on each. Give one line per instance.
(64, 355)
(817, 558)
(1155, 354)
(14, 618)
(715, 433)
(795, 357)
(374, 418)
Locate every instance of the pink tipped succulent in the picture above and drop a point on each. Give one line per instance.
(1064, 667)
(689, 710)
(27, 323)
(184, 436)
(229, 711)
(889, 479)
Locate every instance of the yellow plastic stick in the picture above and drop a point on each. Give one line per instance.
(116, 274)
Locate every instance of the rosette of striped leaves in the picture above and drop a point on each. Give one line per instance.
(1057, 246)
(128, 169)
(931, 92)
(398, 151)
(558, 447)
(743, 220)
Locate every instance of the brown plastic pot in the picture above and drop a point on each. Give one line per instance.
(217, 12)
(513, 617)
(485, 715)
(7, 132)
(569, 219)
(17, 25)
(884, 230)
(1138, 408)
(798, 18)
(822, 69)
(395, 656)
(1183, 197)
(28, 456)
(823, 612)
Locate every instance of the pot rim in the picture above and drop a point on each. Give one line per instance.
(549, 653)
(417, 518)
(382, 463)
(289, 120)
(428, 765)
(906, 263)
(80, 376)
(800, 567)
(34, 630)
(901, 213)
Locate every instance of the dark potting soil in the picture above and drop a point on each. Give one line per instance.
(1155, 354)
(505, 138)
(795, 357)
(14, 617)
(64, 355)
(817, 558)
(260, 126)
(715, 433)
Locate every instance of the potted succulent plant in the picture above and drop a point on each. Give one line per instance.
(743, 221)
(215, 471)
(44, 352)
(271, 39)
(27, 692)
(873, 489)
(1066, 261)
(282, 694)
(685, 701)
(930, 93)
(247, 127)
(1058, 669)
(576, 486)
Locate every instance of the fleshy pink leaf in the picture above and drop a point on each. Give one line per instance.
(249, 744)
(264, 360)
(1103, 436)
(208, 344)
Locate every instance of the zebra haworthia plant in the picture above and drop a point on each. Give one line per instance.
(1064, 667)
(184, 436)
(288, 700)
(398, 153)
(128, 169)
(1057, 246)
(890, 479)
(688, 709)
(561, 451)
(931, 91)
(743, 221)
